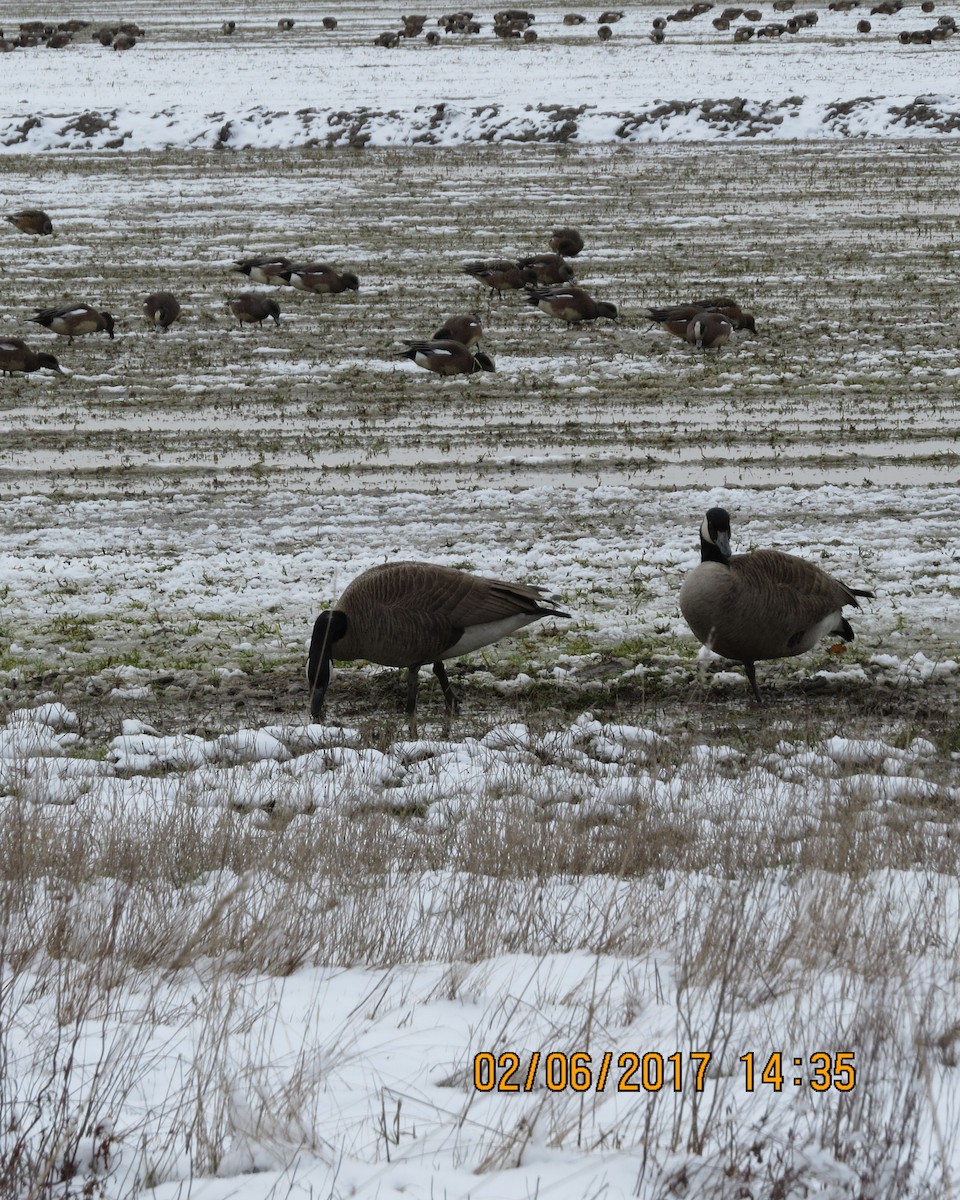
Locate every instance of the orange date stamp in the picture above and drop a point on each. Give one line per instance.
(651, 1071)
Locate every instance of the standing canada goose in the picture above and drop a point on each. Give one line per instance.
(252, 306)
(571, 304)
(74, 320)
(501, 275)
(465, 329)
(566, 242)
(766, 604)
(708, 329)
(546, 269)
(262, 270)
(320, 279)
(32, 220)
(447, 357)
(17, 356)
(162, 308)
(676, 317)
(406, 614)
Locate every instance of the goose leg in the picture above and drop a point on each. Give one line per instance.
(413, 682)
(449, 695)
(751, 671)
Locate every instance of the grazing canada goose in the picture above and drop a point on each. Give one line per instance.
(406, 614)
(16, 356)
(162, 308)
(676, 317)
(74, 320)
(566, 242)
(604, 33)
(766, 604)
(465, 329)
(32, 220)
(329, 22)
(499, 276)
(262, 270)
(571, 304)
(447, 357)
(708, 329)
(320, 279)
(252, 306)
(546, 269)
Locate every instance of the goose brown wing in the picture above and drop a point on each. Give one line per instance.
(788, 593)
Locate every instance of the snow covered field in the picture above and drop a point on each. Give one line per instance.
(245, 956)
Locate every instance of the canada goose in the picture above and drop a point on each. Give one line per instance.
(708, 329)
(447, 357)
(566, 242)
(766, 604)
(17, 356)
(32, 220)
(465, 328)
(604, 33)
(252, 306)
(320, 279)
(574, 19)
(571, 304)
(124, 41)
(499, 276)
(329, 22)
(162, 308)
(286, 24)
(262, 270)
(74, 320)
(676, 317)
(546, 269)
(406, 614)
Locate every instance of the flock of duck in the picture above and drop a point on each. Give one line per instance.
(747, 607)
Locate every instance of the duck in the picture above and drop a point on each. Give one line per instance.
(162, 308)
(262, 270)
(708, 329)
(74, 320)
(253, 306)
(32, 220)
(320, 279)
(761, 605)
(546, 269)
(464, 328)
(676, 317)
(407, 614)
(444, 356)
(16, 356)
(571, 304)
(500, 275)
(566, 242)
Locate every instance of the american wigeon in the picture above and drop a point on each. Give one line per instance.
(32, 220)
(546, 269)
(162, 308)
(254, 306)
(676, 317)
(500, 275)
(17, 356)
(74, 320)
(465, 328)
(320, 279)
(447, 357)
(708, 329)
(571, 304)
(264, 269)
